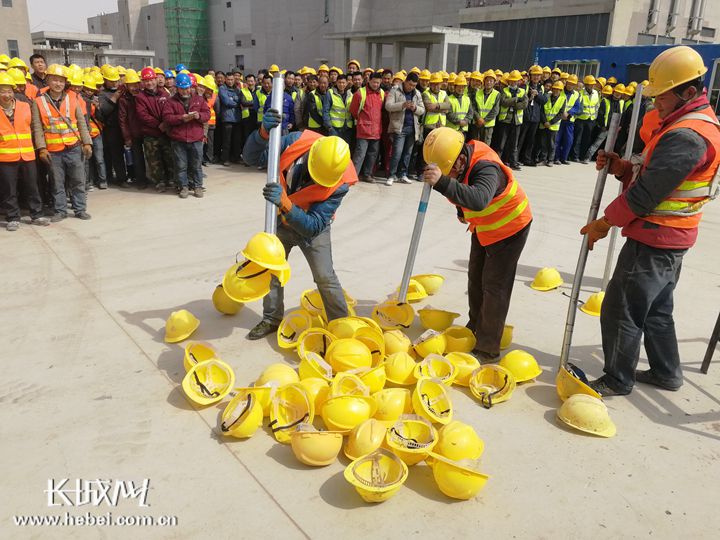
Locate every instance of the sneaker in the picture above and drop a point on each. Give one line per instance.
(125, 184)
(262, 329)
(160, 187)
(102, 185)
(198, 192)
(90, 188)
(648, 377)
(405, 180)
(13, 226)
(516, 167)
(556, 162)
(484, 357)
(390, 180)
(367, 179)
(605, 390)
(83, 215)
(584, 161)
(40, 221)
(57, 217)
(226, 163)
(184, 193)
(548, 163)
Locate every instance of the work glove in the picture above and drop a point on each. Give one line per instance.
(595, 230)
(87, 151)
(272, 118)
(617, 165)
(276, 195)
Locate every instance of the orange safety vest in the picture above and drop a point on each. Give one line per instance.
(58, 134)
(508, 213)
(16, 136)
(93, 124)
(31, 91)
(313, 193)
(683, 207)
(211, 104)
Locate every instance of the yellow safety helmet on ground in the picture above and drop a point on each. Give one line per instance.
(435, 366)
(131, 77)
(246, 282)
(430, 342)
(459, 339)
(521, 364)
(457, 479)
(458, 441)
(243, 416)
(375, 341)
(411, 438)
(266, 250)
(400, 368)
(546, 279)
(392, 403)
(507, 336)
(377, 476)
(347, 384)
(589, 80)
(197, 352)
(179, 325)
(208, 382)
(365, 438)
(263, 395)
(430, 282)
(607, 90)
(492, 384)
(110, 73)
(345, 327)
(442, 147)
(343, 413)
(514, 76)
(432, 401)
(465, 364)
(374, 378)
(415, 292)
(317, 389)
(312, 365)
(348, 353)
(291, 327)
(396, 341)
(277, 374)
(222, 302)
(316, 340)
(588, 414)
(328, 160)
(436, 78)
(571, 380)
(17, 76)
(594, 303)
(57, 69)
(436, 319)
(291, 405)
(391, 315)
(315, 448)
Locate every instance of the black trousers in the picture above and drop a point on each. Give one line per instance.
(526, 142)
(218, 141)
(491, 276)
(113, 146)
(248, 126)
(507, 146)
(583, 132)
(232, 142)
(15, 176)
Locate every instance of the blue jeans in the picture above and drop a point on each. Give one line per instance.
(68, 166)
(564, 141)
(188, 163)
(402, 147)
(639, 303)
(365, 155)
(95, 166)
(318, 254)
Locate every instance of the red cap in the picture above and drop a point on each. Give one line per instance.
(147, 74)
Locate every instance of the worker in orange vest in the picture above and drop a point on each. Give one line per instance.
(17, 158)
(207, 87)
(315, 174)
(659, 212)
(63, 140)
(491, 201)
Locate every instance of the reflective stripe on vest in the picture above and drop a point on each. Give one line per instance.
(590, 104)
(574, 96)
(508, 212)
(683, 207)
(211, 105)
(505, 110)
(16, 136)
(432, 118)
(262, 98)
(58, 135)
(248, 97)
(312, 123)
(606, 117)
(349, 120)
(552, 110)
(485, 104)
(338, 110)
(461, 107)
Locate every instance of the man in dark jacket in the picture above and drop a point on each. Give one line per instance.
(230, 114)
(149, 104)
(184, 114)
(130, 128)
(107, 113)
(532, 116)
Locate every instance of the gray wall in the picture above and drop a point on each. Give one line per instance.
(16, 26)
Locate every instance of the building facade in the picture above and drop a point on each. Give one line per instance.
(15, 29)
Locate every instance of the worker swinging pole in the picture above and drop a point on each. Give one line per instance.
(414, 242)
(582, 259)
(628, 155)
(273, 162)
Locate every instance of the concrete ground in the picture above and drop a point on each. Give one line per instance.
(91, 391)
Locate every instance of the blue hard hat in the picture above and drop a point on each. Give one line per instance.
(169, 74)
(183, 80)
(180, 67)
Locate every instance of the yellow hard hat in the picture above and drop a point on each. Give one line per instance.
(514, 76)
(465, 364)
(208, 382)
(110, 73)
(587, 414)
(415, 69)
(187, 72)
(179, 325)
(266, 250)
(558, 85)
(498, 72)
(343, 413)
(445, 75)
(459, 339)
(460, 81)
(277, 374)
(345, 327)
(436, 319)
(208, 82)
(323, 67)
(546, 279)
(619, 88)
(57, 69)
(365, 438)
(28, 76)
(451, 78)
(159, 71)
(399, 75)
(425, 74)
(631, 83)
(347, 384)
(392, 315)
(197, 352)
(377, 476)
(316, 340)
(507, 336)
(291, 327)
(489, 74)
(400, 369)
(564, 75)
(594, 302)
(313, 366)
(492, 384)
(392, 403)
(612, 80)
(645, 82)
(317, 389)
(601, 80)
(536, 70)
(222, 302)
(368, 70)
(396, 341)
(17, 76)
(315, 448)
(348, 353)
(589, 80)
(572, 380)
(411, 438)
(436, 78)
(435, 366)
(521, 364)
(430, 282)
(4, 58)
(291, 405)
(328, 160)
(274, 68)
(121, 70)
(476, 76)
(243, 415)
(131, 76)
(17, 63)
(351, 62)
(7, 80)
(546, 69)
(607, 90)
(572, 79)
(246, 281)
(457, 441)
(373, 377)
(630, 90)
(263, 395)
(432, 401)
(458, 480)
(442, 147)
(430, 343)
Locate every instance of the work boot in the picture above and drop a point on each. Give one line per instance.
(648, 377)
(262, 329)
(40, 221)
(367, 179)
(198, 192)
(584, 161)
(564, 162)
(160, 187)
(184, 193)
(57, 217)
(605, 390)
(548, 163)
(102, 185)
(485, 357)
(13, 225)
(83, 215)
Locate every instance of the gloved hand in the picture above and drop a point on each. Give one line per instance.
(596, 230)
(87, 151)
(617, 165)
(276, 195)
(272, 118)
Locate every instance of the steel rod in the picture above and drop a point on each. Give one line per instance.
(273, 162)
(414, 242)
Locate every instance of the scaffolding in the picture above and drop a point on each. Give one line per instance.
(187, 33)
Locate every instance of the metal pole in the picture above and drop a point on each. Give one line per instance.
(582, 259)
(273, 163)
(414, 242)
(628, 154)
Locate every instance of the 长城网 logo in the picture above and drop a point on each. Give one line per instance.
(80, 492)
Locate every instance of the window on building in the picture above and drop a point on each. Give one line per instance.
(707, 32)
(252, 42)
(148, 17)
(665, 40)
(223, 26)
(646, 39)
(13, 48)
(228, 4)
(7, 3)
(240, 61)
(238, 42)
(580, 68)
